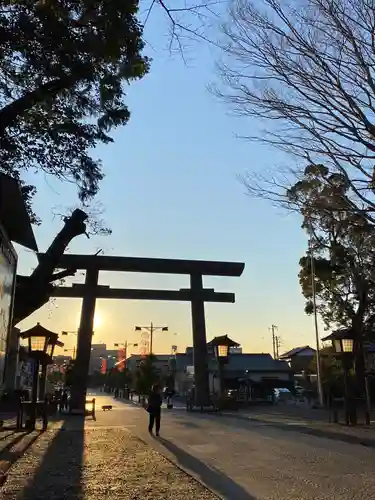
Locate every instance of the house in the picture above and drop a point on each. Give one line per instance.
(299, 358)
(255, 374)
(15, 227)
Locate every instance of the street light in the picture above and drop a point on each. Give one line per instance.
(41, 344)
(342, 341)
(69, 332)
(343, 344)
(121, 364)
(221, 346)
(222, 351)
(71, 350)
(152, 328)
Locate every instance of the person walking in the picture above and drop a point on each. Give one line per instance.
(154, 409)
(64, 401)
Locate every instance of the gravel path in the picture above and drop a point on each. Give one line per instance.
(102, 463)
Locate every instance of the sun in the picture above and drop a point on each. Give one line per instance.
(98, 321)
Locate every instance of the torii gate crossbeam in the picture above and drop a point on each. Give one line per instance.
(197, 295)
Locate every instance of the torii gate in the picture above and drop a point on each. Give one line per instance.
(196, 295)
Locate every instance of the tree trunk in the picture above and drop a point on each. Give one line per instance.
(360, 372)
(358, 354)
(33, 291)
(10, 113)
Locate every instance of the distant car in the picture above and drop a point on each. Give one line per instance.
(232, 393)
(167, 392)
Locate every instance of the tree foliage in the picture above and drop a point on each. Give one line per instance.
(55, 377)
(146, 375)
(63, 67)
(343, 246)
(304, 69)
(331, 371)
(117, 379)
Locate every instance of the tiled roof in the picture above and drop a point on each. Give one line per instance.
(295, 351)
(239, 362)
(256, 362)
(158, 357)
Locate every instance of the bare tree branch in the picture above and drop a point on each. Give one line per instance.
(189, 21)
(95, 223)
(306, 70)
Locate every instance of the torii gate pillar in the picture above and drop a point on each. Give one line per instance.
(202, 391)
(84, 341)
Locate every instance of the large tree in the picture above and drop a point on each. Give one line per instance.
(342, 245)
(305, 70)
(63, 67)
(33, 291)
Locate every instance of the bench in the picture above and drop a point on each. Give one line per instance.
(25, 419)
(91, 411)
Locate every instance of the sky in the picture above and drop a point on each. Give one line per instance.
(171, 190)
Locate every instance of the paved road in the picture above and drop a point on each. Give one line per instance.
(244, 460)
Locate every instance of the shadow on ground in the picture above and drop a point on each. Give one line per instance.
(10, 456)
(303, 428)
(59, 475)
(213, 478)
(247, 422)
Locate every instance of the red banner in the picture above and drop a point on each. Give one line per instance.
(103, 368)
(121, 360)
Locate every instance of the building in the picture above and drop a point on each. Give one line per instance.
(61, 360)
(98, 353)
(259, 372)
(14, 227)
(113, 356)
(256, 375)
(161, 364)
(59, 364)
(299, 358)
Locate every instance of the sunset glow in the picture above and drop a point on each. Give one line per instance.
(98, 321)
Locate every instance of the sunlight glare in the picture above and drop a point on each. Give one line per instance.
(98, 321)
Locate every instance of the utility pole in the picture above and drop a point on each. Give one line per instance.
(317, 339)
(151, 329)
(274, 344)
(124, 346)
(277, 345)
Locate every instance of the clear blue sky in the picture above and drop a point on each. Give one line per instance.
(171, 191)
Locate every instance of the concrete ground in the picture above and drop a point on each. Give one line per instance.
(102, 462)
(236, 458)
(252, 460)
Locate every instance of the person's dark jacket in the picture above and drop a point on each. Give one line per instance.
(154, 403)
